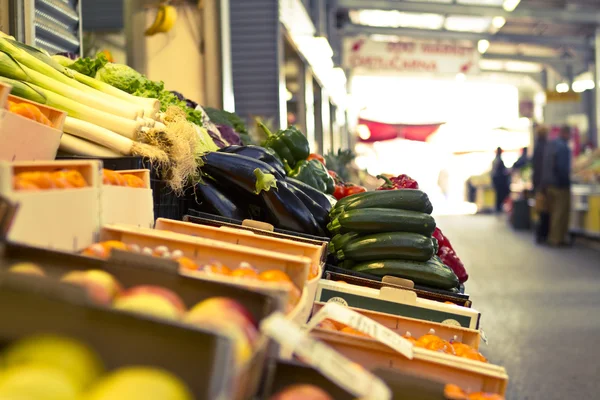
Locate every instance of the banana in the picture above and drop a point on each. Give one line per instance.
(158, 21)
(169, 19)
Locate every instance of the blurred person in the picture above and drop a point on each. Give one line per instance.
(556, 181)
(500, 180)
(522, 160)
(541, 201)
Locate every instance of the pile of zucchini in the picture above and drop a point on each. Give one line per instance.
(389, 233)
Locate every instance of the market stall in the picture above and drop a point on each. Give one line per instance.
(276, 276)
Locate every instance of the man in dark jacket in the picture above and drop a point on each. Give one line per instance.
(556, 179)
(543, 225)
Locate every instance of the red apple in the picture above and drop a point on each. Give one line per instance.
(151, 300)
(302, 392)
(101, 286)
(220, 304)
(158, 291)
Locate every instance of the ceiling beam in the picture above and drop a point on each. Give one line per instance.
(550, 61)
(575, 42)
(541, 13)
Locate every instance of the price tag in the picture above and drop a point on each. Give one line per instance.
(339, 369)
(363, 324)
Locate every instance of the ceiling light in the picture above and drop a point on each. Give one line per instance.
(363, 132)
(510, 5)
(396, 19)
(338, 77)
(483, 46)
(583, 85)
(467, 23)
(498, 22)
(562, 87)
(288, 95)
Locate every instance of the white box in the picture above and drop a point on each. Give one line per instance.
(397, 302)
(61, 219)
(22, 139)
(127, 205)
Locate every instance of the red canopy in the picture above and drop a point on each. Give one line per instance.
(382, 131)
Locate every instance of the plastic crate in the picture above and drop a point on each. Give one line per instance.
(166, 203)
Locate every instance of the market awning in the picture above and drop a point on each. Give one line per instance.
(379, 131)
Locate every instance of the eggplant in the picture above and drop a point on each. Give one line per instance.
(258, 153)
(319, 213)
(214, 201)
(319, 197)
(283, 208)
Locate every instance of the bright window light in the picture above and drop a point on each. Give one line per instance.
(582, 86)
(396, 19)
(562, 87)
(467, 24)
(461, 77)
(322, 46)
(491, 65)
(498, 22)
(517, 66)
(510, 5)
(338, 77)
(483, 46)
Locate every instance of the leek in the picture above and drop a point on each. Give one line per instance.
(125, 127)
(74, 145)
(10, 68)
(40, 62)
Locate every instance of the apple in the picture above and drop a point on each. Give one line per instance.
(302, 392)
(102, 287)
(139, 383)
(81, 364)
(151, 300)
(36, 381)
(27, 268)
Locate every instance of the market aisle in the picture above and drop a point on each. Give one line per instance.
(540, 307)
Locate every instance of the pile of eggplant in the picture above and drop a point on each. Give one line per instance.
(230, 189)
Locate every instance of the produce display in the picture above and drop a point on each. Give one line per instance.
(50, 367)
(43, 180)
(244, 271)
(216, 312)
(28, 111)
(114, 178)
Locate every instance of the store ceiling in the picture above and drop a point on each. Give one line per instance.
(555, 33)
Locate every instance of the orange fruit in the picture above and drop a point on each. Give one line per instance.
(217, 268)
(466, 351)
(21, 184)
(133, 181)
(75, 178)
(327, 324)
(187, 263)
(245, 273)
(485, 396)
(453, 392)
(274, 275)
(61, 180)
(353, 331)
(42, 180)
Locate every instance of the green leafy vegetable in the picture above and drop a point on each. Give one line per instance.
(88, 66)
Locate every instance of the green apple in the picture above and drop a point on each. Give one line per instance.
(36, 382)
(139, 383)
(74, 358)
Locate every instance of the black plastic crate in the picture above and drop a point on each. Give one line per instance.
(166, 203)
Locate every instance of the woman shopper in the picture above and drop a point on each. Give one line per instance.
(500, 180)
(541, 199)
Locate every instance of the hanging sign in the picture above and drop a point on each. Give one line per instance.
(365, 55)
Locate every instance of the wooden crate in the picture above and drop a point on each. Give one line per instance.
(127, 205)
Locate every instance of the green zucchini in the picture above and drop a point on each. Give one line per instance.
(391, 245)
(431, 273)
(436, 245)
(378, 220)
(339, 241)
(401, 199)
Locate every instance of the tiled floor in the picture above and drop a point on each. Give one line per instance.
(540, 307)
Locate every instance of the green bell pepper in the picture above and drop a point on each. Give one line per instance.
(290, 144)
(314, 174)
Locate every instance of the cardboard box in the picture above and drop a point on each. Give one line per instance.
(200, 357)
(22, 139)
(133, 270)
(418, 327)
(204, 251)
(473, 376)
(127, 205)
(397, 302)
(61, 219)
(260, 239)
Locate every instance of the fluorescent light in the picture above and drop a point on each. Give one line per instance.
(498, 22)
(510, 5)
(483, 46)
(396, 19)
(562, 87)
(338, 77)
(467, 23)
(322, 46)
(583, 85)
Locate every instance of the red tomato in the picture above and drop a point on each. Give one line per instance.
(340, 191)
(332, 174)
(315, 156)
(350, 190)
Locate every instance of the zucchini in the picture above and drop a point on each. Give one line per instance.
(378, 220)
(341, 204)
(392, 245)
(431, 273)
(436, 245)
(339, 241)
(401, 199)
